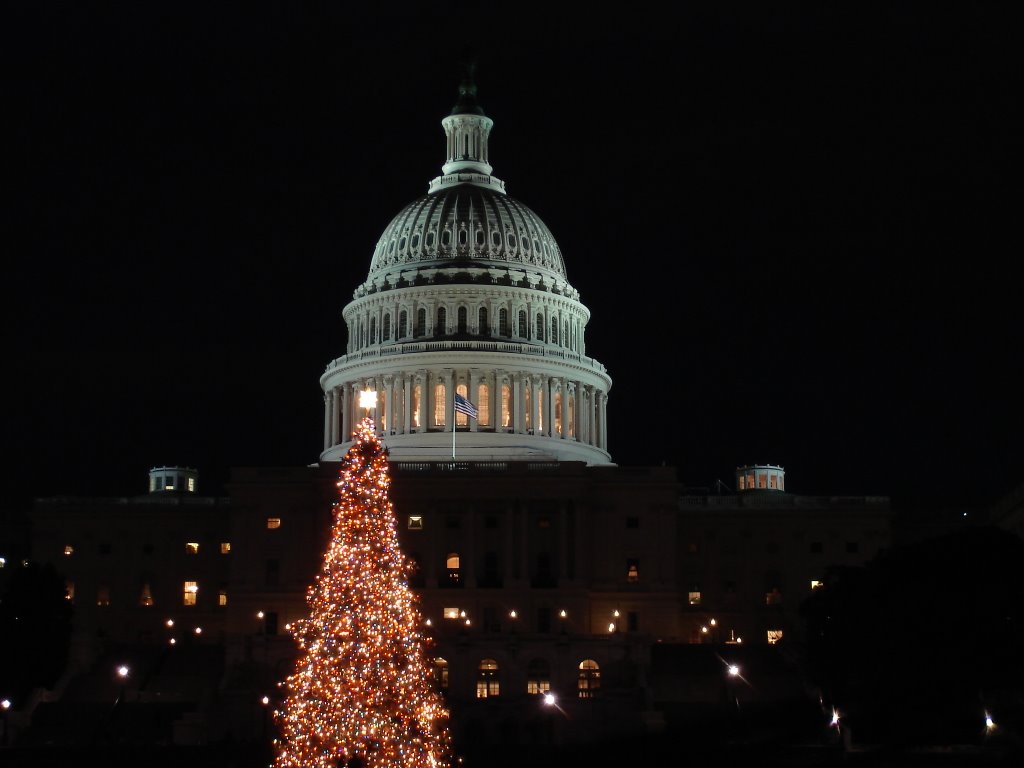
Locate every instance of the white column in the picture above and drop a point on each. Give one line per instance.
(327, 420)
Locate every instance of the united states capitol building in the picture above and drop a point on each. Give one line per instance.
(544, 564)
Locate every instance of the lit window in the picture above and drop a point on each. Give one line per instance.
(743, 482)
(69, 550)
(103, 595)
(772, 481)
(190, 593)
(222, 597)
(487, 683)
(483, 405)
(452, 564)
(632, 571)
(415, 523)
(815, 584)
(461, 419)
(774, 635)
(191, 485)
(451, 613)
(589, 680)
(538, 676)
(192, 547)
(225, 547)
(69, 590)
(146, 597)
(694, 596)
(441, 673)
(439, 397)
(273, 522)
(506, 406)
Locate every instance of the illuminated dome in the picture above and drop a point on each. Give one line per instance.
(467, 295)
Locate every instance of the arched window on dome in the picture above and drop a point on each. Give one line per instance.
(503, 329)
(588, 682)
(558, 413)
(403, 324)
(495, 238)
(554, 330)
(439, 403)
(441, 326)
(385, 334)
(481, 238)
(540, 327)
(523, 325)
(481, 322)
(462, 320)
(506, 406)
(483, 405)
(528, 412)
(421, 324)
(461, 419)
(373, 330)
(416, 406)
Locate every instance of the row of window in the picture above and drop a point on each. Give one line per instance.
(479, 238)
(518, 326)
(191, 547)
(538, 677)
(534, 409)
(189, 594)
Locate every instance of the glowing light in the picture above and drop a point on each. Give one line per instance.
(615, 613)
(367, 399)
(611, 627)
(259, 614)
(429, 623)
(835, 718)
(6, 703)
(713, 623)
(123, 671)
(265, 700)
(990, 724)
(198, 630)
(549, 699)
(734, 671)
(173, 641)
(704, 630)
(562, 613)
(512, 614)
(169, 622)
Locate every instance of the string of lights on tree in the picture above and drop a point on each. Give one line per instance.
(362, 692)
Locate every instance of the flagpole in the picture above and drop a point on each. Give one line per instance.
(455, 417)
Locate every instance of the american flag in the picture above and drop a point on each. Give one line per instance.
(462, 405)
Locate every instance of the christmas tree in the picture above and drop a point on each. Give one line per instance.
(362, 692)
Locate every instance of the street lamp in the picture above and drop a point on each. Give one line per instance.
(5, 705)
(122, 672)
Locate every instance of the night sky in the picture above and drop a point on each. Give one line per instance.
(797, 229)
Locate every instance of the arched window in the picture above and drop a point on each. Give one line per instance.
(452, 565)
(373, 330)
(506, 405)
(441, 327)
(503, 329)
(487, 680)
(481, 322)
(421, 323)
(558, 413)
(538, 676)
(589, 680)
(554, 331)
(441, 673)
(417, 397)
(386, 329)
(523, 325)
(483, 405)
(439, 405)
(461, 419)
(540, 327)
(462, 320)
(403, 324)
